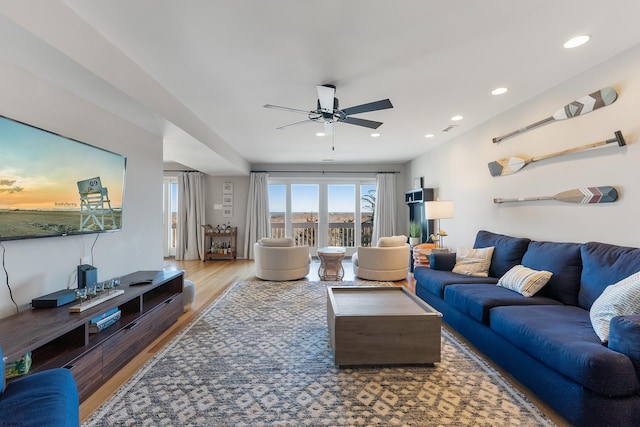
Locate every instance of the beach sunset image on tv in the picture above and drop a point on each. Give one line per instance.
(51, 185)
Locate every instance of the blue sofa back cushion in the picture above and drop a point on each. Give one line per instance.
(508, 250)
(564, 261)
(604, 265)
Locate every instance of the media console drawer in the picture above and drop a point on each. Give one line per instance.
(125, 344)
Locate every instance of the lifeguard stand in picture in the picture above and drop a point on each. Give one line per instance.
(95, 206)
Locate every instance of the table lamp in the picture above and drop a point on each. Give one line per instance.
(437, 210)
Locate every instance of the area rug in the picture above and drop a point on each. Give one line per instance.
(260, 356)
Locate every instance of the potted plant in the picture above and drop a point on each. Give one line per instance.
(415, 230)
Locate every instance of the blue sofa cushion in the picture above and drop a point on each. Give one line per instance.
(561, 337)
(435, 281)
(476, 300)
(47, 398)
(564, 261)
(624, 337)
(604, 265)
(508, 250)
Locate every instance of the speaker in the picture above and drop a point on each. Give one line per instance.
(87, 275)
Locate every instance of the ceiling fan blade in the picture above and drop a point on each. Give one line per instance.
(325, 97)
(277, 107)
(361, 122)
(294, 124)
(328, 128)
(383, 104)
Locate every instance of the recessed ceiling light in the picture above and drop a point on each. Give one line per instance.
(576, 41)
(429, 135)
(499, 91)
(375, 135)
(320, 134)
(456, 118)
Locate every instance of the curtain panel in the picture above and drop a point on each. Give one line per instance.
(191, 203)
(257, 225)
(384, 218)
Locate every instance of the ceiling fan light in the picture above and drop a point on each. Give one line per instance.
(576, 41)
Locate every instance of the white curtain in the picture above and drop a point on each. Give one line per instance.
(191, 202)
(384, 217)
(257, 212)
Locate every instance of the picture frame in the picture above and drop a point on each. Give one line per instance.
(227, 188)
(227, 212)
(417, 182)
(227, 200)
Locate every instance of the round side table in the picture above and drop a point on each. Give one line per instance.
(331, 263)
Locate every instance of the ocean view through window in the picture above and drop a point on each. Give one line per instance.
(336, 213)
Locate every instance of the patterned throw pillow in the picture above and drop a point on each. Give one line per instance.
(524, 280)
(473, 262)
(619, 299)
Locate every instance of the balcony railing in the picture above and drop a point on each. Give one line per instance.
(340, 233)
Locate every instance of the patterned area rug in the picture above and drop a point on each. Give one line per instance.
(259, 356)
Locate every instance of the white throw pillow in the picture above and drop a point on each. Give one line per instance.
(524, 280)
(473, 262)
(392, 241)
(619, 299)
(277, 242)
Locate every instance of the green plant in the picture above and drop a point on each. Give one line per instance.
(415, 229)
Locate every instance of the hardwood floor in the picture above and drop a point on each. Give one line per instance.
(211, 278)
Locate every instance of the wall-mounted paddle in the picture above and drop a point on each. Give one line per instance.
(511, 165)
(582, 195)
(579, 107)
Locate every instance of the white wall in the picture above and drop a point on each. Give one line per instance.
(458, 169)
(39, 266)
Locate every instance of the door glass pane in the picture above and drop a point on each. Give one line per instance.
(277, 208)
(341, 206)
(174, 217)
(304, 213)
(367, 209)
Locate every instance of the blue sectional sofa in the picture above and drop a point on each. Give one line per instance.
(547, 341)
(47, 398)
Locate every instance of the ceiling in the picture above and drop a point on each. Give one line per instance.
(198, 72)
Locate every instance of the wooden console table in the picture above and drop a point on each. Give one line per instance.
(58, 338)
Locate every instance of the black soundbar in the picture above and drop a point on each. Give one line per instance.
(55, 299)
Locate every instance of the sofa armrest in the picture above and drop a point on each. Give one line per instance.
(624, 337)
(444, 261)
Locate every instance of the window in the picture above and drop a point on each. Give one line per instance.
(323, 213)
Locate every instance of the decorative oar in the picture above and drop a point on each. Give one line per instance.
(579, 107)
(511, 165)
(583, 195)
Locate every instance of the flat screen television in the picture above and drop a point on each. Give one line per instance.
(51, 185)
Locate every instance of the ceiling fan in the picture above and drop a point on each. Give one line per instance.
(328, 111)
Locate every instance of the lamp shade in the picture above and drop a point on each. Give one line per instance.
(441, 209)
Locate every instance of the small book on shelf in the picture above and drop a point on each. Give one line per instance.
(102, 324)
(104, 315)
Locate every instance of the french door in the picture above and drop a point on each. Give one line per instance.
(323, 213)
(169, 213)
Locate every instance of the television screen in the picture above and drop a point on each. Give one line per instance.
(51, 185)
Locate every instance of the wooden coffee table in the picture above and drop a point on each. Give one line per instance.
(374, 325)
(331, 263)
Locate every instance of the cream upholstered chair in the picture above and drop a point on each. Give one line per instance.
(387, 261)
(279, 259)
